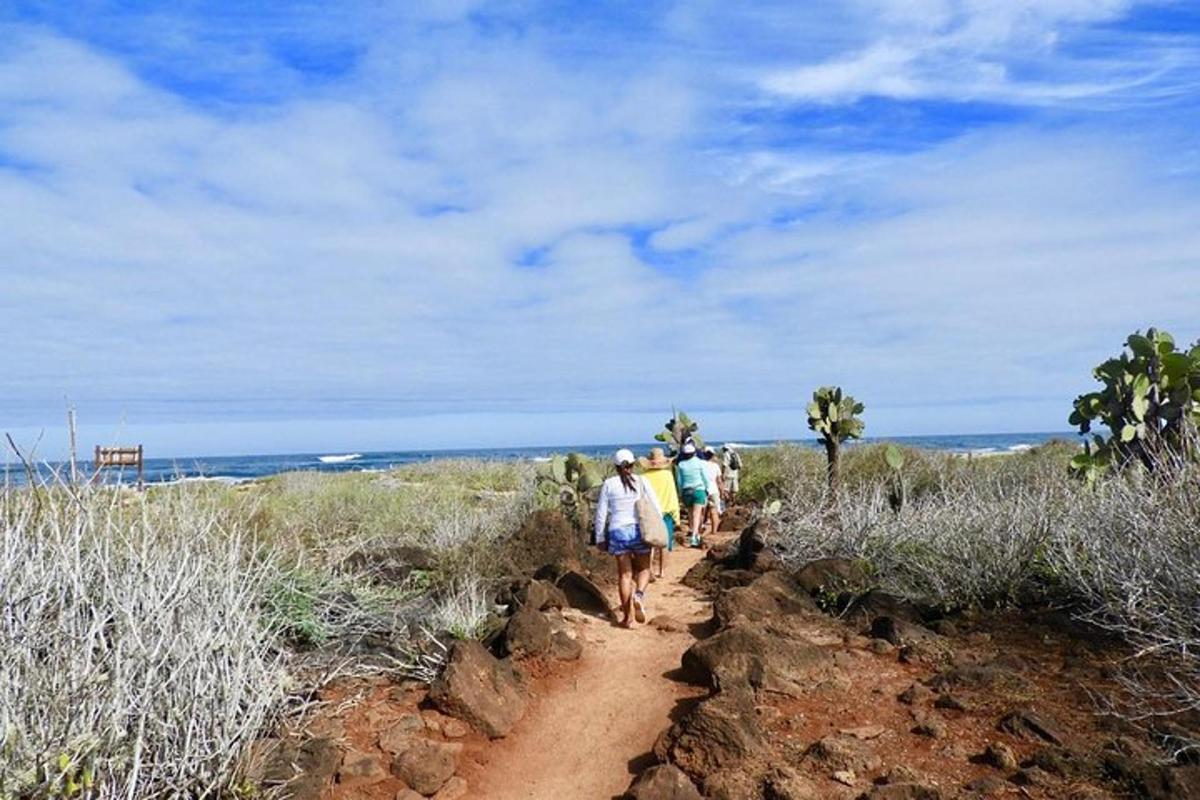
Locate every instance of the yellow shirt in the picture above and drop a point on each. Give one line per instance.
(663, 482)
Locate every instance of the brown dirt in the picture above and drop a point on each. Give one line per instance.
(592, 724)
(590, 730)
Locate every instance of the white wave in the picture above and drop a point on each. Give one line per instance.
(541, 459)
(339, 459)
(1020, 448)
(740, 446)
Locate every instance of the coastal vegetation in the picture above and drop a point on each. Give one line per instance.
(149, 639)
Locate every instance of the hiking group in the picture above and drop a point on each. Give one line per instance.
(697, 481)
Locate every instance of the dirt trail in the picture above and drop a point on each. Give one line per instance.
(588, 734)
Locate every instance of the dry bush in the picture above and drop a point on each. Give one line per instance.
(133, 659)
(1131, 551)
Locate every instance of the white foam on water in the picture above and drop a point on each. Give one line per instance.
(339, 459)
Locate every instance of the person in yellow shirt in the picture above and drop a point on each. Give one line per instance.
(658, 473)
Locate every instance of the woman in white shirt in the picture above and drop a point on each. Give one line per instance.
(616, 530)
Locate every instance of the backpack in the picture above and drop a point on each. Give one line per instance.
(735, 461)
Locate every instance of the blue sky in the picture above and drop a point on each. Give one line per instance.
(240, 227)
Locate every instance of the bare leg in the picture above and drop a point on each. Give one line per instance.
(662, 558)
(696, 515)
(625, 586)
(714, 520)
(641, 570)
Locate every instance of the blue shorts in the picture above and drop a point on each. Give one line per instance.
(695, 497)
(626, 540)
(669, 521)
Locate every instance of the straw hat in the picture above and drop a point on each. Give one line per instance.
(657, 460)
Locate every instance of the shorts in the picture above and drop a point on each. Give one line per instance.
(695, 497)
(717, 502)
(669, 521)
(626, 540)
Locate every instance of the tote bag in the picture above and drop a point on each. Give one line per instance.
(650, 522)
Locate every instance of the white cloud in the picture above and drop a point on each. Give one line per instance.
(1007, 51)
(482, 223)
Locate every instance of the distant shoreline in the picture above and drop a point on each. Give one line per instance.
(239, 469)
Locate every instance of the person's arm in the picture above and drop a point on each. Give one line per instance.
(599, 528)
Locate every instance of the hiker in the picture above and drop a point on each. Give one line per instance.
(658, 473)
(716, 499)
(732, 460)
(695, 486)
(616, 530)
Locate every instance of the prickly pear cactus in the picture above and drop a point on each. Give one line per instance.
(1150, 403)
(834, 416)
(571, 482)
(678, 430)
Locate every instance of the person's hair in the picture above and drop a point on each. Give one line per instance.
(625, 473)
(684, 456)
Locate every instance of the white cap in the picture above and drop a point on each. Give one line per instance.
(623, 456)
(689, 448)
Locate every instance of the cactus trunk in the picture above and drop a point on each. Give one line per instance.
(833, 452)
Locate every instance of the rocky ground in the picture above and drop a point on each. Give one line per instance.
(753, 682)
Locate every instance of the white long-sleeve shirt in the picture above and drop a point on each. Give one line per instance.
(614, 508)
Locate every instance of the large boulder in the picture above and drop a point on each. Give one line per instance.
(583, 593)
(750, 656)
(480, 689)
(865, 608)
(717, 734)
(663, 782)
(771, 595)
(426, 765)
(528, 633)
(541, 595)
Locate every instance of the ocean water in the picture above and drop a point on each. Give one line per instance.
(235, 469)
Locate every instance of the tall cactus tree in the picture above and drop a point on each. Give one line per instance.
(1150, 402)
(678, 430)
(834, 415)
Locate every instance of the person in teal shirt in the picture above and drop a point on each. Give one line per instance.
(695, 487)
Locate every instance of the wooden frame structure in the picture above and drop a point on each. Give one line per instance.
(109, 457)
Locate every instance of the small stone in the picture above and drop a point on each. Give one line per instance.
(1031, 725)
(931, 726)
(426, 765)
(396, 738)
(986, 786)
(455, 728)
(950, 703)
(902, 774)
(865, 732)
(1000, 756)
(1031, 776)
(915, 694)
(845, 776)
(434, 720)
(361, 767)
(882, 647)
(455, 789)
(409, 794)
(565, 647)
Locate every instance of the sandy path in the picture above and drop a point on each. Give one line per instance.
(587, 735)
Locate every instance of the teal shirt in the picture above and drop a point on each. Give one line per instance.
(691, 474)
